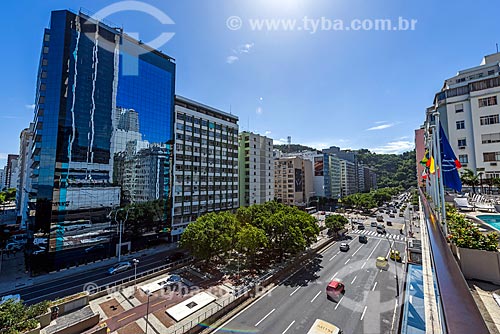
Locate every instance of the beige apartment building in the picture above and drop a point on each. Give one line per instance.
(293, 180)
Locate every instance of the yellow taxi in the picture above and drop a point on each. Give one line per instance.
(382, 263)
(395, 255)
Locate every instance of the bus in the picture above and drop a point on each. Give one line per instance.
(311, 210)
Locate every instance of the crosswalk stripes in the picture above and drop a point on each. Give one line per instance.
(374, 233)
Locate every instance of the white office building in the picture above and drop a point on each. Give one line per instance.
(468, 105)
(205, 176)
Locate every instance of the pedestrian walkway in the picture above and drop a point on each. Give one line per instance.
(398, 237)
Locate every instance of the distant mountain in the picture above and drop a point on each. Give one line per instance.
(294, 148)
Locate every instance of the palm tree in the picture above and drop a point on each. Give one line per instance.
(496, 183)
(470, 179)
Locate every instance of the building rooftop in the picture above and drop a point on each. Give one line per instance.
(185, 100)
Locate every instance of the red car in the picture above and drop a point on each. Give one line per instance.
(335, 290)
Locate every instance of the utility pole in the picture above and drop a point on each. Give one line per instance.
(395, 265)
(120, 226)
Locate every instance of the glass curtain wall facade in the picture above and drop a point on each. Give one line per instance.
(103, 135)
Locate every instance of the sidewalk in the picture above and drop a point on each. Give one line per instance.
(13, 275)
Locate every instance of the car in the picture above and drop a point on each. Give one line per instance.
(392, 215)
(363, 239)
(381, 229)
(389, 223)
(14, 247)
(94, 248)
(19, 239)
(395, 255)
(119, 267)
(401, 214)
(175, 257)
(39, 250)
(361, 226)
(380, 218)
(172, 280)
(373, 224)
(335, 289)
(344, 246)
(14, 298)
(381, 263)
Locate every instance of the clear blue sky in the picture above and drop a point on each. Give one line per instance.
(323, 88)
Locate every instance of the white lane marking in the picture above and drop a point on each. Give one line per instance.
(387, 256)
(334, 275)
(364, 264)
(347, 261)
(315, 296)
(288, 327)
(336, 306)
(333, 257)
(295, 291)
(356, 251)
(374, 285)
(394, 315)
(246, 308)
(354, 279)
(369, 256)
(257, 324)
(363, 314)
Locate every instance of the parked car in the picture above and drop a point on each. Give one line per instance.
(401, 214)
(335, 289)
(389, 223)
(344, 247)
(171, 280)
(363, 239)
(380, 218)
(395, 255)
(373, 224)
(392, 215)
(361, 226)
(119, 267)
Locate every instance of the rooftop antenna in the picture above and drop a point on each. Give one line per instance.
(497, 47)
(289, 141)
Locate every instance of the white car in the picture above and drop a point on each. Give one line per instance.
(119, 267)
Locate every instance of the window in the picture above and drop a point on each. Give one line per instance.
(488, 120)
(459, 107)
(45, 49)
(491, 72)
(460, 125)
(462, 142)
(488, 101)
(463, 158)
(491, 156)
(490, 138)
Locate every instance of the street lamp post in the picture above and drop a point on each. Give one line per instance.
(147, 310)
(120, 226)
(395, 264)
(135, 262)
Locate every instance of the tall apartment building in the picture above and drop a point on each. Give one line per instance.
(2, 178)
(205, 174)
(11, 171)
(24, 181)
(104, 104)
(255, 169)
(293, 180)
(348, 180)
(470, 115)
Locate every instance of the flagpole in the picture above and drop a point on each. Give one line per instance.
(440, 175)
(435, 193)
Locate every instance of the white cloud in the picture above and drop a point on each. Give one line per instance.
(231, 59)
(380, 122)
(381, 127)
(281, 141)
(394, 147)
(241, 49)
(30, 106)
(259, 111)
(268, 133)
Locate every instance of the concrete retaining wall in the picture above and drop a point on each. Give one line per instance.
(479, 264)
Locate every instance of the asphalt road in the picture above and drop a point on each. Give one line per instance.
(368, 306)
(64, 286)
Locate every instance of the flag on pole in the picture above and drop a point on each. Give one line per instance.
(449, 163)
(425, 159)
(431, 164)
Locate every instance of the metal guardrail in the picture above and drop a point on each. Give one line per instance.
(460, 312)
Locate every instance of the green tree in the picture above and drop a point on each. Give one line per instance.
(249, 240)
(470, 179)
(335, 223)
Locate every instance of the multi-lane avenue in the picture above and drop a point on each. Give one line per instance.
(369, 304)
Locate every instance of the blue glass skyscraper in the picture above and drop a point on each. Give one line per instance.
(102, 135)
